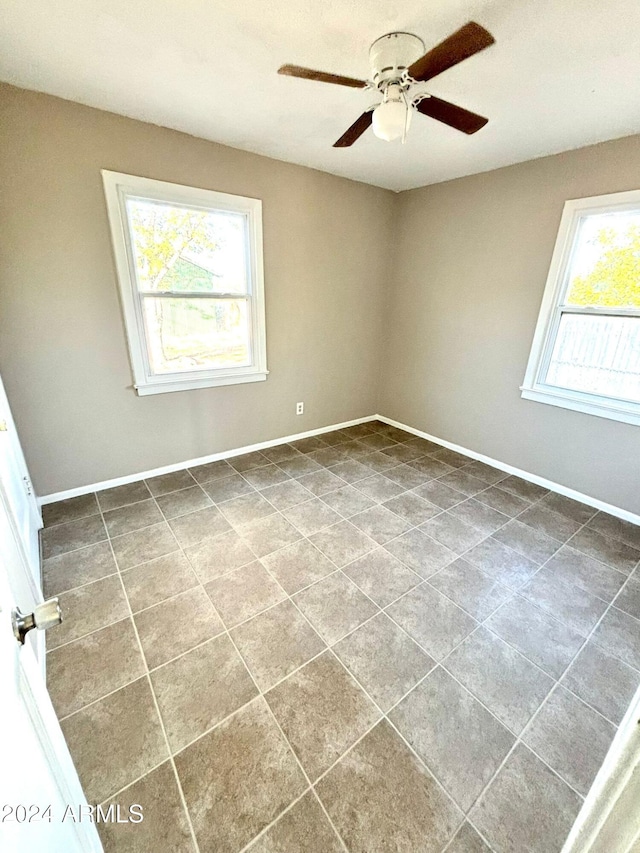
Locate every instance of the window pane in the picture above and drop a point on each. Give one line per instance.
(599, 355)
(196, 334)
(188, 249)
(605, 266)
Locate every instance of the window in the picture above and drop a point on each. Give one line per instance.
(189, 265)
(586, 348)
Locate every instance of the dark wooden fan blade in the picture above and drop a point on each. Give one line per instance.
(321, 76)
(355, 131)
(452, 115)
(470, 39)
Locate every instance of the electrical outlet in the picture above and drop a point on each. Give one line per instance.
(299, 408)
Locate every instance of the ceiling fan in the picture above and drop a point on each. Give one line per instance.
(399, 66)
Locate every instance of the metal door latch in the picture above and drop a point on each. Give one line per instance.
(45, 615)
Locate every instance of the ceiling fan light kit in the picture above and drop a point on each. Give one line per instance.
(399, 68)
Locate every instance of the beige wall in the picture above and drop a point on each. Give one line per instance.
(62, 347)
(471, 264)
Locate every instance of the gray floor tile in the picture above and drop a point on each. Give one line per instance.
(287, 494)
(378, 462)
(298, 565)
(246, 508)
(227, 488)
(351, 471)
(173, 482)
(572, 567)
(335, 606)
(408, 476)
(527, 807)
(176, 625)
(132, 517)
(201, 688)
(199, 525)
(629, 598)
(377, 441)
(423, 444)
(183, 502)
(276, 642)
(463, 482)
(552, 523)
(421, 553)
(354, 450)
(467, 840)
(523, 488)
(566, 506)
(550, 644)
(487, 473)
(619, 634)
(434, 621)
(501, 562)
(243, 593)
(440, 495)
(157, 580)
(211, 471)
(342, 543)
(91, 667)
(335, 437)
(479, 515)
(503, 501)
(70, 570)
(280, 452)
(576, 608)
(611, 551)
(322, 482)
(380, 576)
(269, 475)
(297, 466)
(115, 740)
(430, 467)
(380, 524)
(70, 509)
(617, 528)
(87, 609)
(248, 461)
(304, 827)
(452, 532)
(165, 822)
(571, 738)
(384, 660)
(237, 779)
(72, 535)
(378, 488)
(324, 458)
(470, 588)
(460, 741)
(308, 445)
(118, 496)
(268, 534)
(451, 457)
(311, 516)
(402, 452)
(214, 557)
(143, 545)
(322, 712)
(526, 540)
(380, 797)
(509, 685)
(348, 501)
(412, 507)
(602, 681)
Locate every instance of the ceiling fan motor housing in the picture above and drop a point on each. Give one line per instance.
(391, 55)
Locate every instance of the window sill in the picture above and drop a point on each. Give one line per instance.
(165, 386)
(613, 410)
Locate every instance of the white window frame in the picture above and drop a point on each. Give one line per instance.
(118, 187)
(551, 310)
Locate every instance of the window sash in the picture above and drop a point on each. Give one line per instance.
(120, 187)
(554, 307)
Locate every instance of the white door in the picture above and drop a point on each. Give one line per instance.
(37, 777)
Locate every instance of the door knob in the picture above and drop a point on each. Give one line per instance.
(46, 615)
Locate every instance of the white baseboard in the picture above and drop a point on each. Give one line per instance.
(518, 472)
(228, 454)
(191, 463)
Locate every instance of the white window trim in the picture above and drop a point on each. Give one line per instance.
(117, 187)
(533, 387)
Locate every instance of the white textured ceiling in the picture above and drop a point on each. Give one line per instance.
(562, 74)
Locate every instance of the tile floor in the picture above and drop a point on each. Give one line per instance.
(358, 642)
